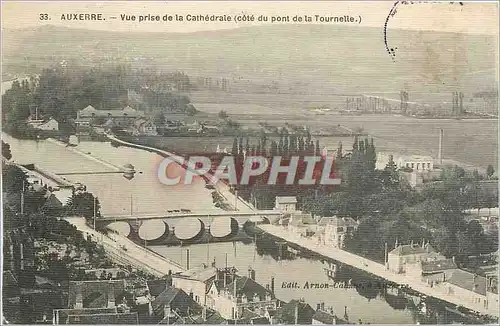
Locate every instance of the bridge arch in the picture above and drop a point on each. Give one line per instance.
(223, 227)
(189, 229)
(120, 227)
(151, 230)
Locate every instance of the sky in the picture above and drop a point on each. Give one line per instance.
(471, 17)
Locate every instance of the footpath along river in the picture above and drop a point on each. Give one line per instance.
(149, 195)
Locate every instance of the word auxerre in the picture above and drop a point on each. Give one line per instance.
(77, 16)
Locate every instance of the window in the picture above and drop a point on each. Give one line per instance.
(418, 166)
(340, 229)
(413, 165)
(429, 166)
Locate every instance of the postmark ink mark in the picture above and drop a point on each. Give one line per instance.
(392, 50)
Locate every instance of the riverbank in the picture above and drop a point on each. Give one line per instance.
(376, 269)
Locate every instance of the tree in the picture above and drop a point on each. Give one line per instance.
(223, 114)
(317, 152)
(390, 175)
(13, 179)
(234, 150)
(82, 204)
(240, 146)
(490, 171)
(339, 152)
(6, 150)
(274, 149)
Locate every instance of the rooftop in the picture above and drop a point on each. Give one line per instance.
(468, 281)
(201, 273)
(286, 200)
(250, 288)
(404, 250)
(338, 221)
(438, 265)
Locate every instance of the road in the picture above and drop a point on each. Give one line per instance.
(134, 255)
(374, 268)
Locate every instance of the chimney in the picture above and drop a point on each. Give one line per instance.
(272, 284)
(322, 306)
(166, 311)
(440, 149)
(318, 306)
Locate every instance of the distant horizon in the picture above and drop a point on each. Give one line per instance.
(470, 18)
(214, 31)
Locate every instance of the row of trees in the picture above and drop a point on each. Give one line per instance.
(289, 144)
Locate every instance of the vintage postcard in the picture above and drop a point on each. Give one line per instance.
(258, 162)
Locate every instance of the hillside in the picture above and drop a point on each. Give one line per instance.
(317, 58)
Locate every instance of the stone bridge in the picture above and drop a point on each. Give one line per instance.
(186, 227)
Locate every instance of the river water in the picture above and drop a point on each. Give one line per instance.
(149, 195)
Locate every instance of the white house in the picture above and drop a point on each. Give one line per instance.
(334, 230)
(50, 124)
(419, 163)
(233, 296)
(195, 281)
(405, 258)
(477, 291)
(286, 203)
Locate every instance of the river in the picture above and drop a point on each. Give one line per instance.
(149, 195)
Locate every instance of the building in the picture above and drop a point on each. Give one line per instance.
(144, 127)
(240, 297)
(98, 316)
(477, 291)
(295, 312)
(286, 204)
(195, 281)
(418, 163)
(121, 118)
(82, 294)
(50, 124)
(173, 304)
(434, 272)
(334, 230)
(324, 316)
(404, 257)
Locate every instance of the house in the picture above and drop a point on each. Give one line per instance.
(476, 290)
(144, 127)
(435, 271)
(302, 224)
(323, 316)
(121, 118)
(240, 297)
(195, 281)
(173, 303)
(334, 230)
(94, 294)
(419, 163)
(286, 203)
(295, 312)
(404, 257)
(50, 124)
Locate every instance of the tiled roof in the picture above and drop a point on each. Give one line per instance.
(156, 287)
(9, 279)
(286, 200)
(468, 281)
(177, 299)
(249, 287)
(324, 317)
(404, 250)
(201, 273)
(286, 314)
(64, 313)
(438, 265)
(105, 319)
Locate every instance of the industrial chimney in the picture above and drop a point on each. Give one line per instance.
(440, 150)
